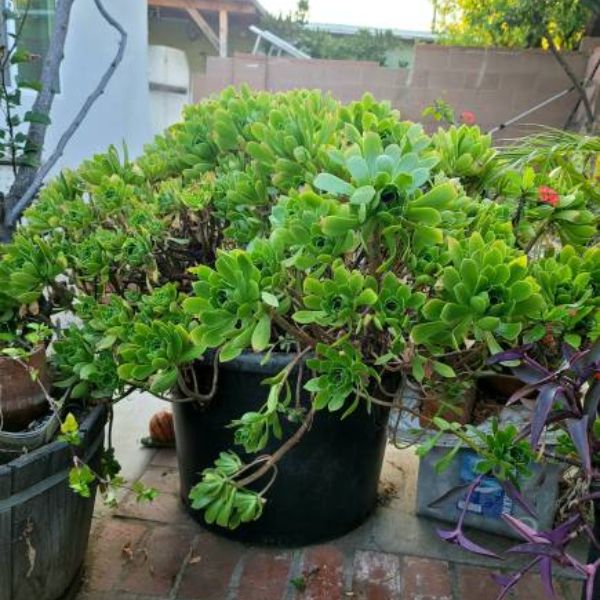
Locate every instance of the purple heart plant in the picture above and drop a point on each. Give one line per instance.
(564, 403)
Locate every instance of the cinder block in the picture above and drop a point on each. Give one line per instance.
(589, 44)
(446, 80)
(419, 78)
(487, 81)
(466, 59)
(431, 56)
(518, 81)
(548, 86)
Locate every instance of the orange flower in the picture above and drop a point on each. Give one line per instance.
(548, 196)
(468, 117)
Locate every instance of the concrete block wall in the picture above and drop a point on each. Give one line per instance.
(495, 84)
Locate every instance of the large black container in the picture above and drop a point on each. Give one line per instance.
(44, 525)
(326, 485)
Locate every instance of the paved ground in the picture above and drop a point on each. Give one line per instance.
(156, 551)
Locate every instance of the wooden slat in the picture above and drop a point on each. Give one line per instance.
(223, 33)
(54, 523)
(204, 27)
(208, 5)
(6, 536)
(39, 527)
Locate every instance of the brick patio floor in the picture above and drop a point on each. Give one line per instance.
(155, 551)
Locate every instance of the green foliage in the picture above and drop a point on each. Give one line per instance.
(288, 222)
(342, 373)
(363, 45)
(502, 453)
(464, 152)
(81, 478)
(229, 306)
(520, 23)
(337, 301)
(223, 502)
(69, 430)
(484, 293)
(16, 148)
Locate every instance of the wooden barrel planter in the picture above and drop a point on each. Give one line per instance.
(44, 525)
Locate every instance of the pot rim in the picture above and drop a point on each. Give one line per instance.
(252, 362)
(33, 353)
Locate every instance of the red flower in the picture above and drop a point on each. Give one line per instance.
(597, 376)
(548, 196)
(468, 117)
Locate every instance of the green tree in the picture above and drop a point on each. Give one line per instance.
(552, 24)
(515, 23)
(363, 45)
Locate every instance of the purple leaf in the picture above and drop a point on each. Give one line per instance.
(589, 586)
(507, 356)
(524, 530)
(592, 399)
(578, 431)
(529, 388)
(457, 537)
(543, 405)
(540, 549)
(561, 535)
(448, 494)
(546, 575)
(568, 352)
(516, 495)
(591, 571)
(509, 581)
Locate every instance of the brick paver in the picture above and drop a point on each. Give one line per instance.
(265, 575)
(376, 576)
(210, 569)
(426, 579)
(322, 574)
(111, 552)
(475, 583)
(157, 552)
(155, 564)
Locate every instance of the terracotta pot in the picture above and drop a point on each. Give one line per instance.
(490, 389)
(22, 400)
(433, 406)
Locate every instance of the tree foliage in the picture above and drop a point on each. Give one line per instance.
(515, 23)
(363, 45)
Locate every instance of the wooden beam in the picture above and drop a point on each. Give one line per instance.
(223, 32)
(203, 26)
(207, 5)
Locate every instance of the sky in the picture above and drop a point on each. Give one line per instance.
(385, 14)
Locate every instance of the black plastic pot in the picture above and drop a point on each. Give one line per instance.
(44, 525)
(326, 485)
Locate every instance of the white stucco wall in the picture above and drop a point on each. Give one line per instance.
(122, 113)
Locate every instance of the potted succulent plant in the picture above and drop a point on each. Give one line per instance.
(34, 459)
(283, 268)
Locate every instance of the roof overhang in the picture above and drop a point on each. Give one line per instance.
(248, 7)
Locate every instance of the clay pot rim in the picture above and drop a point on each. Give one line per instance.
(33, 353)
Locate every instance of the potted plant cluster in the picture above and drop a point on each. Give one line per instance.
(557, 365)
(45, 548)
(285, 270)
